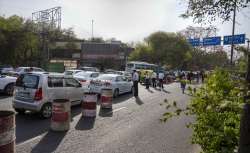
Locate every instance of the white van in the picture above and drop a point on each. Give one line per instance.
(36, 91)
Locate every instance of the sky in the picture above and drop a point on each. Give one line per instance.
(125, 20)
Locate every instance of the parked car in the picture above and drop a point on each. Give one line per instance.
(92, 69)
(7, 84)
(36, 91)
(21, 70)
(5, 69)
(118, 83)
(85, 77)
(72, 72)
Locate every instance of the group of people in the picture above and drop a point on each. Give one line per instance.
(154, 79)
(200, 75)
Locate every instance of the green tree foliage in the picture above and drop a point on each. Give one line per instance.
(163, 48)
(207, 60)
(217, 106)
(18, 44)
(209, 10)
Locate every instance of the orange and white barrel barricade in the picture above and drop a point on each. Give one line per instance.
(61, 115)
(106, 98)
(7, 132)
(89, 104)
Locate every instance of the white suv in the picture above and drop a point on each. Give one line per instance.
(36, 91)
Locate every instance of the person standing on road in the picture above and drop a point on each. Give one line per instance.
(161, 77)
(135, 78)
(154, 75)
(147, 80)
(183, 84)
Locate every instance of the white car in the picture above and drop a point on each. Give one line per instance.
(85, 77)
(118, 83)
(7, 84)
(36, 91)
(21, 70)
(72, 72)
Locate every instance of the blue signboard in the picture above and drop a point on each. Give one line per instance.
(211, 41)
(194, 42)
(238, 39)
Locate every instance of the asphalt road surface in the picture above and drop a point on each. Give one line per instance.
(132, 127)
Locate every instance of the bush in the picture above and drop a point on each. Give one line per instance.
(217, 106)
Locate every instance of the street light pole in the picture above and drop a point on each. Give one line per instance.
(232, 43)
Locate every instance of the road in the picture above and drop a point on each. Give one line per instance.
(132, 127)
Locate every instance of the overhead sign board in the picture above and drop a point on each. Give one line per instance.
(237, 39)
(194, 42)
(211, 41)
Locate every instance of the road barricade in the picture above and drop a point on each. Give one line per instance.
(106, 98)
(61, 115)
(89, 104)
(7, 132)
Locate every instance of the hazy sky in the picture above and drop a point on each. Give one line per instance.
(126, 20)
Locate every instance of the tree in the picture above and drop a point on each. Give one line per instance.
(209, 10)
(163, 48)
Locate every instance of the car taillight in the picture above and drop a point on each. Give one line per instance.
(107, 83)
(38, 94)
(82, 81)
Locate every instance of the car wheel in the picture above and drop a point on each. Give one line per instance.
(116, 93)
(46, 111)
(20, 111)
(9, 89)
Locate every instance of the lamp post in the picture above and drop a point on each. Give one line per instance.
(244, 144)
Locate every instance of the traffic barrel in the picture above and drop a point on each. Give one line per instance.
(106, 98)
(7, 132)
(89, 104)
(61, 115)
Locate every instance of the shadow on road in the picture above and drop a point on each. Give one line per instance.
(85, 123)
(3, 96)
(138, 101)
(149, 90)
(30, 125)
(106, 112)
(122, 98)
(164, 90)
(49, 143)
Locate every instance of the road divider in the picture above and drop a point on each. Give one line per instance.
(89, 104)
(61, 115)
(106, 98)
(7, 132)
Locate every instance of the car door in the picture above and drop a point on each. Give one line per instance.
(74, 90)
(120, 84)
(126, 84)
(55, 89)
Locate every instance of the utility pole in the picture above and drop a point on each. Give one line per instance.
(244, 144)
(232, 43)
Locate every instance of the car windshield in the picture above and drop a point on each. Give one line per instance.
(28, 81)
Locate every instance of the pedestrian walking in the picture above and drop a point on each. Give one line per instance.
(147, 80)
(154, 75)
(161, 77)
(183, 83)
(202, 76)
(135, 78)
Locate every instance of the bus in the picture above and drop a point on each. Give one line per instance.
(136, 65)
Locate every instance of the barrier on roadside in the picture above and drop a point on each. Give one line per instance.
(61, 115)
(106, 98)
(89, 104)
(7, 132)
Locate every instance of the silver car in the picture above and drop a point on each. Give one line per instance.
(118, 83)
(36, 91)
